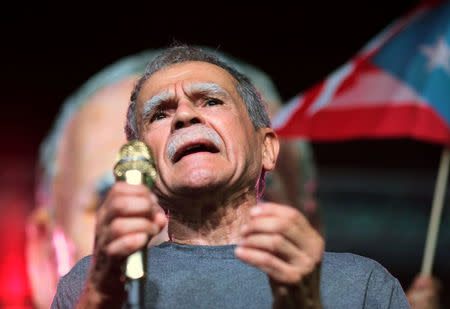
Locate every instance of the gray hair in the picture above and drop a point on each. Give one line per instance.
(179, 54)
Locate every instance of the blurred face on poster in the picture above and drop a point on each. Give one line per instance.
(84, 161)
(62, 233)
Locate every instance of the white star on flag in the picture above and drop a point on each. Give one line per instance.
(438, 55)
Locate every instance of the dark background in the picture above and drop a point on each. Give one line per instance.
(375, 194)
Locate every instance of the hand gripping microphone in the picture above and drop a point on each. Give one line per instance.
(134, 165)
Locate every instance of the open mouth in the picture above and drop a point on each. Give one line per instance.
(194, 148)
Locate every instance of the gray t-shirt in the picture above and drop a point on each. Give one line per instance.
(181, 276)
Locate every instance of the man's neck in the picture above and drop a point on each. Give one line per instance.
(210, 224)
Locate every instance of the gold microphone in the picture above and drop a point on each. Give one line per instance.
(134, 165)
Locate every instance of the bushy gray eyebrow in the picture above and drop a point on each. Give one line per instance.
(155, 101)
(211, 89)
(203, 88)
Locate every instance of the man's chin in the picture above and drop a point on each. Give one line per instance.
(193, 189)
(198, 190)
(200, 179)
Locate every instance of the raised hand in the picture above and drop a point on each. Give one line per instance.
(280, 241)
(126, 222)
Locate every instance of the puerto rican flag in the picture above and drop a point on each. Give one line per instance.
(398, 85)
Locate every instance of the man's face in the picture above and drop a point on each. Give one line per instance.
(198, 128)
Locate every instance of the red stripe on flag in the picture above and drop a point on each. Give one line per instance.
(361, 66)
(385, 121)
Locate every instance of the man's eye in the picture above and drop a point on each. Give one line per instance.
(212, 102)
(158, 116)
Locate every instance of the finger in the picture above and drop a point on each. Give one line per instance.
(288, 222)
(273, 224)
(130, 206)
(273, 243)
(127, 244)
(122, 187)
(274, 267)
(119, 226)
(288, 213)
(422, 282)
(421, 297)
(123, 226)
(160, 219)
(278, 246)
(274, 209)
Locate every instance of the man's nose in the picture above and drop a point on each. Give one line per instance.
(186, 115)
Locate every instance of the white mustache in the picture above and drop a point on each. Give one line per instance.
(185, 135)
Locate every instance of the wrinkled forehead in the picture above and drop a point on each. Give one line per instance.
(184, 75)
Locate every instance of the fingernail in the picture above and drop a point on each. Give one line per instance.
(162, 216)
(255, 210)
(153, 198)
(244, 228)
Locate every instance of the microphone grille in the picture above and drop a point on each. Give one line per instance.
(134, 150)
(134, 155)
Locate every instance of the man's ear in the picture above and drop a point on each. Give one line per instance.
(270, 149)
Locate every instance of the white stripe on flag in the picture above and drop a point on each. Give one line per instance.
(331, 85)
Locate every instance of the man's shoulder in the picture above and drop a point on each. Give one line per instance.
(81, 268)
(71, 285)
(349, 261)
(77, 276)
(353, 267)
(367, 281)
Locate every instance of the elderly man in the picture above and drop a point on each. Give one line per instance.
(76, 159)
(212, 145)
